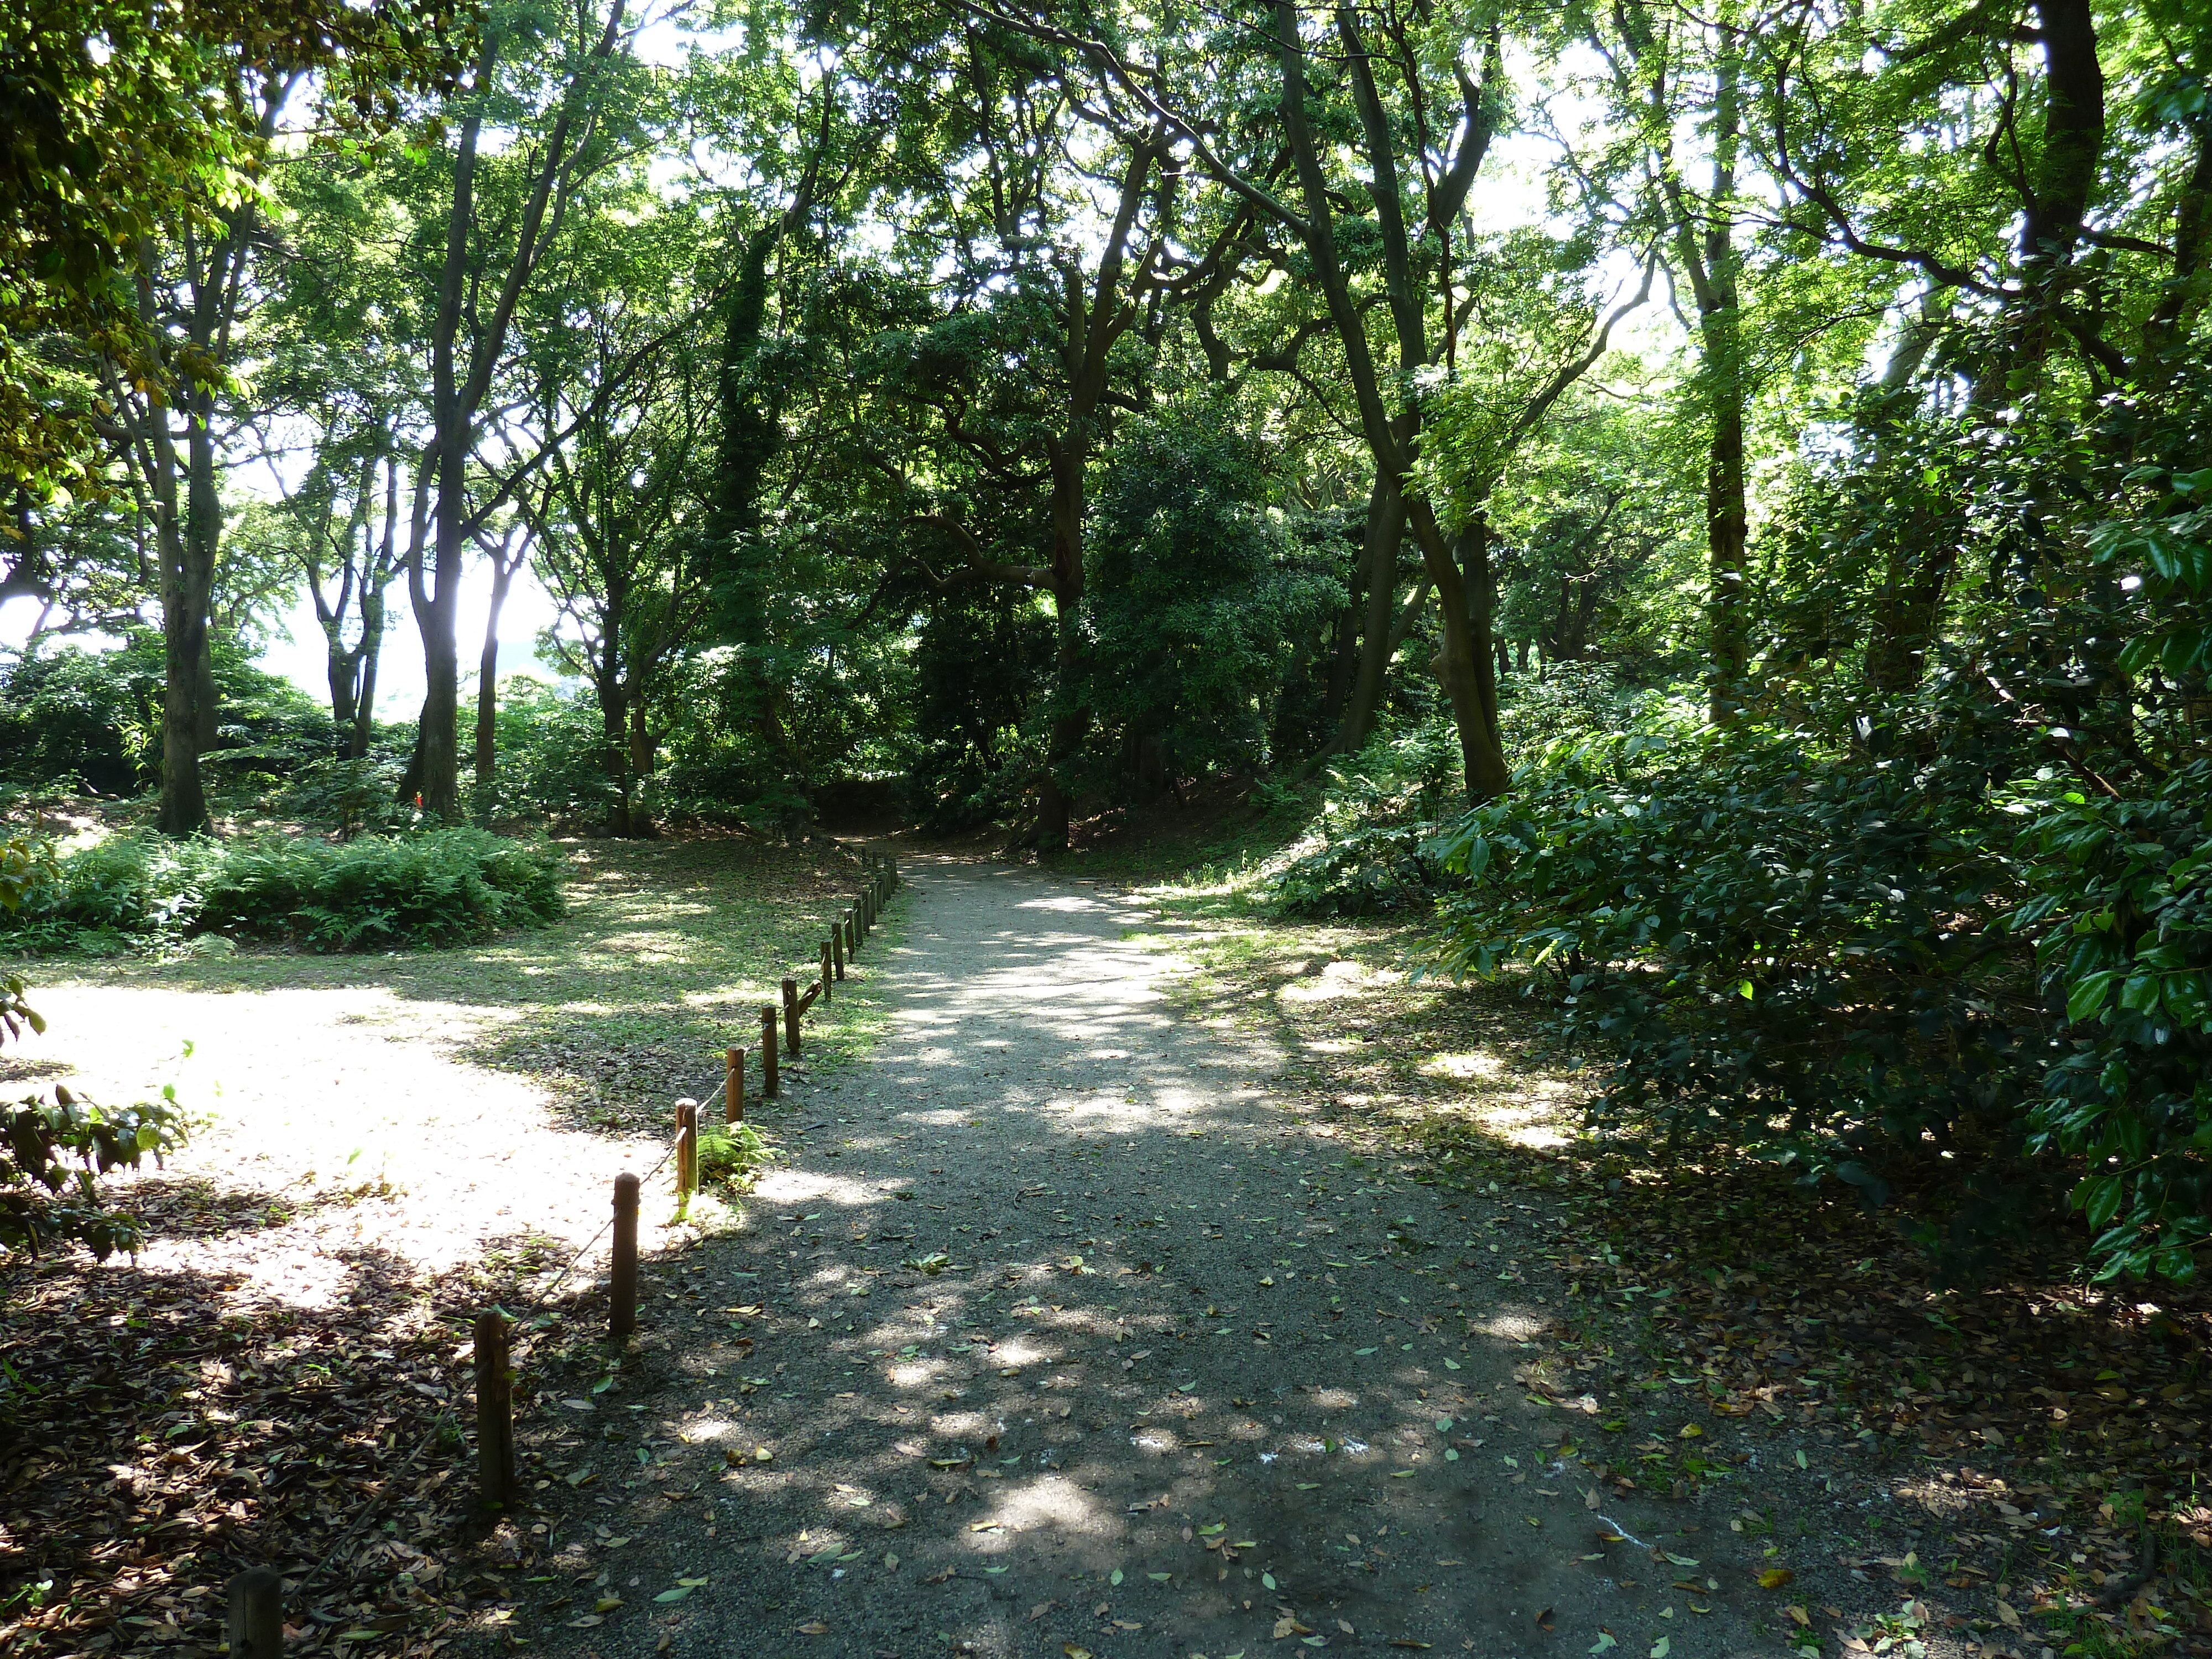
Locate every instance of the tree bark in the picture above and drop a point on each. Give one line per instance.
(1710, 262)
(187, 573)
(614, 726)
(1093, 322)
(502, 578)
(371, 647)
(1378, 562)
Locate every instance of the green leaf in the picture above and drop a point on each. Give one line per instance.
(2084, 997)
(2139, 993)
(2099, 1199)
(2188, 997)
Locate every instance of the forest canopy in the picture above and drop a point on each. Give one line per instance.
(1715, 503)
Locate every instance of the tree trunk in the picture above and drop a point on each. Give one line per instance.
(1463, 664)
(1482, 607)
(1392, 435)
(1069, 721)
(641, 750)
(184, 628)
(372, 647)
(435, 594)
(614, 729)
(1917, 561)
(1378, 562)
(502, 578)
(187, 549)
(456, 397)
(1344, 651)
(1726, 531)
(1720, 307)
(187, 544)
(341, 668)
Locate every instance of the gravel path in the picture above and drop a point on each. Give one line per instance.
(1171, 1377)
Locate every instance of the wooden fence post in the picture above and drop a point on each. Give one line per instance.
(495, 1414)
(827, 976)
(768, 1051)
(837, 948)
(852, 938)
(733, 1085)
(622, 1275)
(791, 1016)
(256, 1622)
(687, 1148)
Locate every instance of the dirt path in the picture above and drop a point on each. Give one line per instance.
(1184, 1383)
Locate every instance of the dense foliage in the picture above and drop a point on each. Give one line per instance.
(51, 1156)
(1754, 582)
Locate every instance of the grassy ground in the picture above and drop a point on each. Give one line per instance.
(2022, 1458)
(387, 1145)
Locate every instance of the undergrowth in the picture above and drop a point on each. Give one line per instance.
(141, 892)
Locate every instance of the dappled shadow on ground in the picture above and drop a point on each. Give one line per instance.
(2035, 1442)
(162, 1429)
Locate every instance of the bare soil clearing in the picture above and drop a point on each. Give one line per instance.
(391, 1144)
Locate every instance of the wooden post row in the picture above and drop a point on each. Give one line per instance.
(733, 1085)
(768, 1051)
(622, 1277)
(495, 1414)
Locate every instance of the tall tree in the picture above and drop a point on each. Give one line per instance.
(190, 283)
(619, 530)
(1681, 70)
(503, 213)
(1367, 90)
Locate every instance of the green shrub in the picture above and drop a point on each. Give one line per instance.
(350, 794)
(552, 756)
(51, 1157)
(443, 887)
(92, 718)
(2123, 923)
(1786, 951)
(1376, 823)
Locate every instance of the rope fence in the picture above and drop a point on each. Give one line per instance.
(256, 1618)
